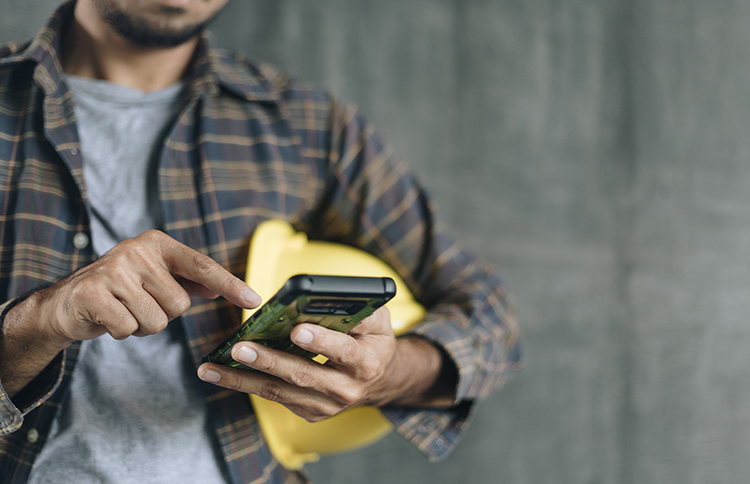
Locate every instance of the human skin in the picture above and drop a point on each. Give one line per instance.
(135, 289)
(145, 282)
(367, 366)
(93, 48)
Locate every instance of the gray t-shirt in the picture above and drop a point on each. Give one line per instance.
(134, 413)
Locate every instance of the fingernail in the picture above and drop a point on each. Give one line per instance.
(246, 355)
(304, 337)
(251, 296)
(211, 376)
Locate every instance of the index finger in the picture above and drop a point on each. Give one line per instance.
(201, 269)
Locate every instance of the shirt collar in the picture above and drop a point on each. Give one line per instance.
(43, 51)
(213, 69)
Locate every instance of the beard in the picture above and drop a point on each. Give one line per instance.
(150, 33)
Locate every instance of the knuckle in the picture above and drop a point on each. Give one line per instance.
(117, 271)
(349, 396)
(130, 327)
(302, 377)
(329, 409)
(161, 324)
(128, 246)
(137, 247)
(180, 304)
(370, 370)
(151, 235)
(307, 413)
(157, 326)
(322, 411)
(144, 330)
(271, 391)
(122, 331)
(202, 263)
(143, 244)
(230, 381)
(349, 353)
(183, 302)
(120, 259)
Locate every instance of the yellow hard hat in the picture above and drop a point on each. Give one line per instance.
(277, 252)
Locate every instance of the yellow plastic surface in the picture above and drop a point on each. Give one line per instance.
(276, 253)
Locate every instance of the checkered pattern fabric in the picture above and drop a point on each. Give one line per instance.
(249, 145)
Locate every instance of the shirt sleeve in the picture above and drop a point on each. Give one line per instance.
(373, 202)
(13, 410)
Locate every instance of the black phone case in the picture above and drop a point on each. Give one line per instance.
(335, 302)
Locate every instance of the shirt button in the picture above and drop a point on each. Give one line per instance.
(32, 436)
(73, 151)
(80, 241)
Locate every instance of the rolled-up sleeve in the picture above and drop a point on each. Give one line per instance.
(13, 410)
(374, 203)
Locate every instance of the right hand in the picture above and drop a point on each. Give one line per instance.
(136, 289)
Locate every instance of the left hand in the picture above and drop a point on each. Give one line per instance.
(357, 372)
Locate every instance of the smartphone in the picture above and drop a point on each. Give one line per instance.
(334, 302)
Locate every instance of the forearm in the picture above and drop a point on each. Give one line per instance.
(25, 348)
(134, 289)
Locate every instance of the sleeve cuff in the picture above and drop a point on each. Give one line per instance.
(31, 396)
(11, 417)
(452, 338)
(435, 432)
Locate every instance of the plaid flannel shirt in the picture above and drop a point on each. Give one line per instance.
(249, 145)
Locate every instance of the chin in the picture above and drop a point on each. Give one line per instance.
(161, 24)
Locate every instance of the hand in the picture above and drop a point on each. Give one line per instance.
(368, 366)
(352, 375)
(136, 289)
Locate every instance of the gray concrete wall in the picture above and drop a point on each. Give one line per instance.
(597, 153)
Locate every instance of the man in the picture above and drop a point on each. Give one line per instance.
(136, 159)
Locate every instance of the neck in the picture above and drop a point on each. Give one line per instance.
(92, 49)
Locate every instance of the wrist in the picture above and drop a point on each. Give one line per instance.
(27, 344)
(30, 322)
(420, 375)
